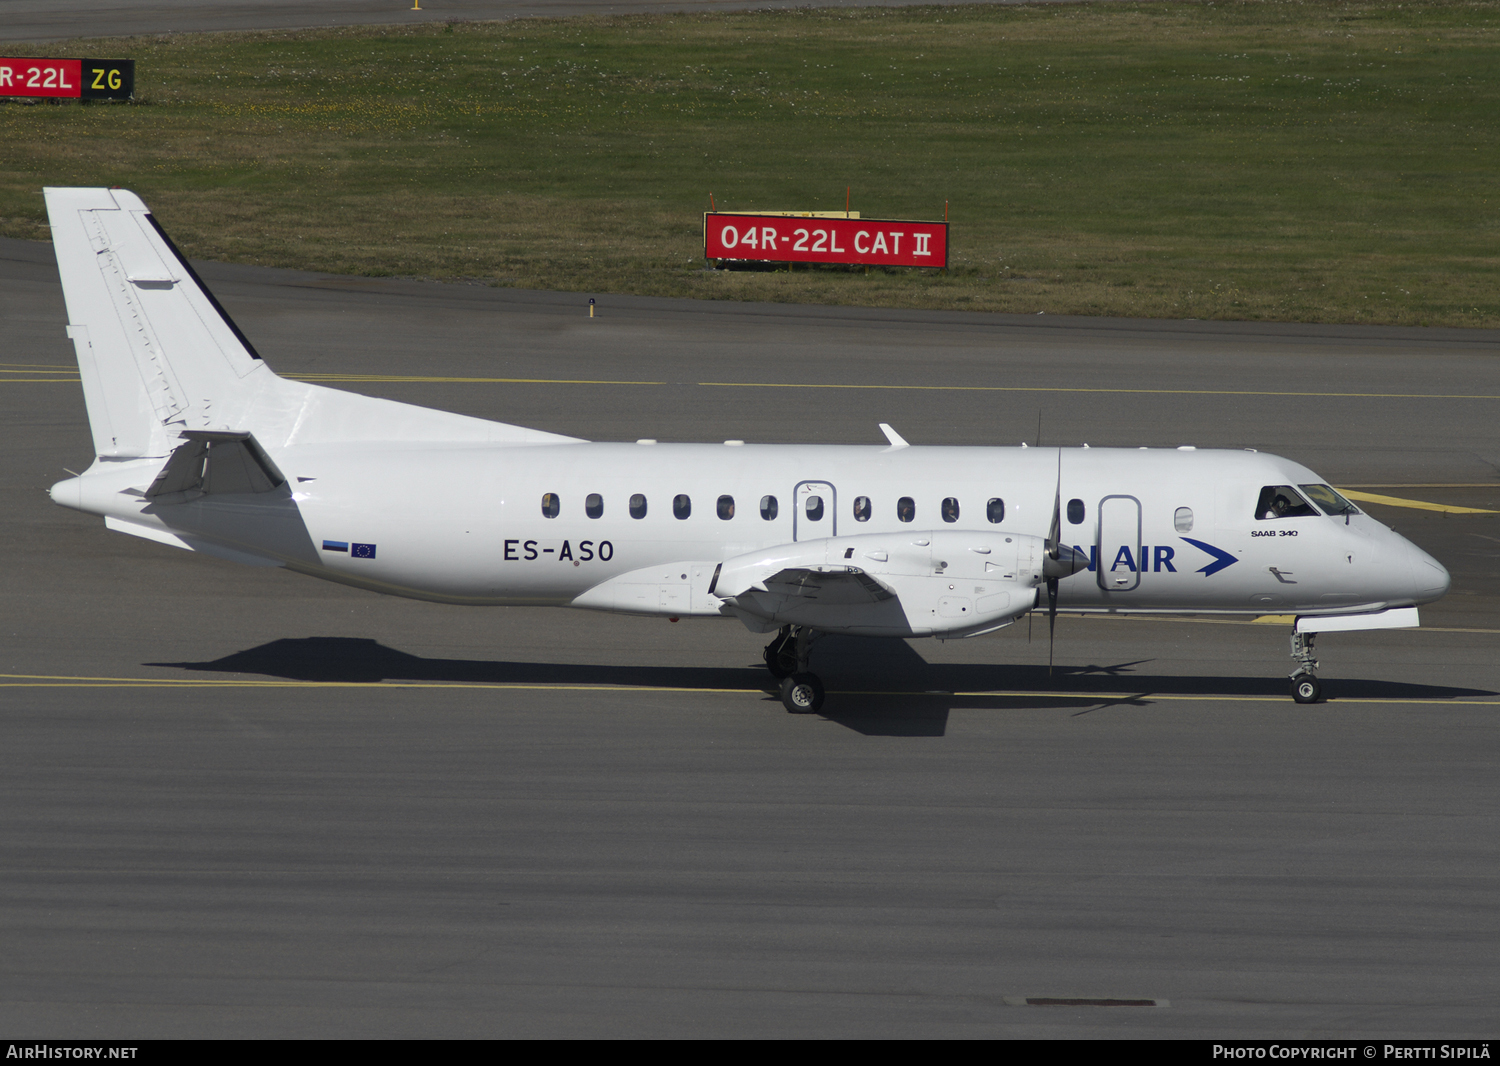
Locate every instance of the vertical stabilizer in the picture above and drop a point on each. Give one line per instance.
(133, 300)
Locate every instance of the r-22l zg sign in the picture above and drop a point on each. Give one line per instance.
(799, 239)
(76, 79)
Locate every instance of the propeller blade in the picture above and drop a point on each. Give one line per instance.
(1054, 535)
(1051, 621)
(1054, 557)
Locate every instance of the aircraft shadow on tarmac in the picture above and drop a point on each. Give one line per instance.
(876, 687)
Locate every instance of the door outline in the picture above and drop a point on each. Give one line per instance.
(825, 488)
(1100, 570)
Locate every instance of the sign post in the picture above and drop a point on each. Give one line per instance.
(69, 79)
(778, 238)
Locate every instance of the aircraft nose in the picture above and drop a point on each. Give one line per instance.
(1430, 578)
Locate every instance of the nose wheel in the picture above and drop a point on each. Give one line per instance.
(786, 657)
(1306, 688)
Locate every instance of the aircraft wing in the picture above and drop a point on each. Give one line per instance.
(912, 583)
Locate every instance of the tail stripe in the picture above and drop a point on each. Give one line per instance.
(212, 299)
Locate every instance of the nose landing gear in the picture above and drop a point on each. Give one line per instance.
(1306, 688)
(786, 657)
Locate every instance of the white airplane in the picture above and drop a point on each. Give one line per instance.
(201, 446)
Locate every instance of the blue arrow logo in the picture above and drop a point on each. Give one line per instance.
(1221, 557)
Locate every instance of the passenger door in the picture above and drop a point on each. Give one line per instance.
(815, 510)
(1119, 528)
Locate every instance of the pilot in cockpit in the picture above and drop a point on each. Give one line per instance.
(1281, 501)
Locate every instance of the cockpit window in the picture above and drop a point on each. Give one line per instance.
(1328, 500)
(1282, 501)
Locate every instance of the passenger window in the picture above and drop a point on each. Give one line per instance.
(594, 505)
(861, 508)
(814, 507)
(637, 506)
(1329, 501)
(726, 507)
(1281, 501)
(995, 510)
(906, 509)
(768, 508)
(1075, 512)
(550, 505)
(950, 509)
(1182, 519)
(681, 506)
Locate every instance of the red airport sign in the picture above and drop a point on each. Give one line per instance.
(75, 79)
(802, 239)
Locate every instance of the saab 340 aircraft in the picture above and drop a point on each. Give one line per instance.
(200, 446)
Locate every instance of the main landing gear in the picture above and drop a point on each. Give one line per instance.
(786, 657)
(1306, 688)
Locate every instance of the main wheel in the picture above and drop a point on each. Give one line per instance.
(802, 693)
(1306, 688)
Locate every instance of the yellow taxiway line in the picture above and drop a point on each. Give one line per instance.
(404, 379)
(48, 681)
(1419, 505)
(1064, 388)
(65, 373)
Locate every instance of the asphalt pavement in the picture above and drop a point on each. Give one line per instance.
(238, 802)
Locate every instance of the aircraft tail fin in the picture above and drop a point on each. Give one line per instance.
(155, 349)
(159, 356)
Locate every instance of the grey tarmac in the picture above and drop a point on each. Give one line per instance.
(238, 802)
(49, 20)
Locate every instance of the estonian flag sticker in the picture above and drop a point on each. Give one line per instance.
(335, 545)
(362, 551)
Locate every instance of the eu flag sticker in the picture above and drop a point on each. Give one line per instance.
(335, 545)
(362, 551)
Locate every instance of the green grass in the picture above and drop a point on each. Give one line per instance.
(1318, 160)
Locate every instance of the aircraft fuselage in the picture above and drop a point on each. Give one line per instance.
(1163, 529)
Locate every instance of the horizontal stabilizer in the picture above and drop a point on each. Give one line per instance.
(214, 462)
(188, 543)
